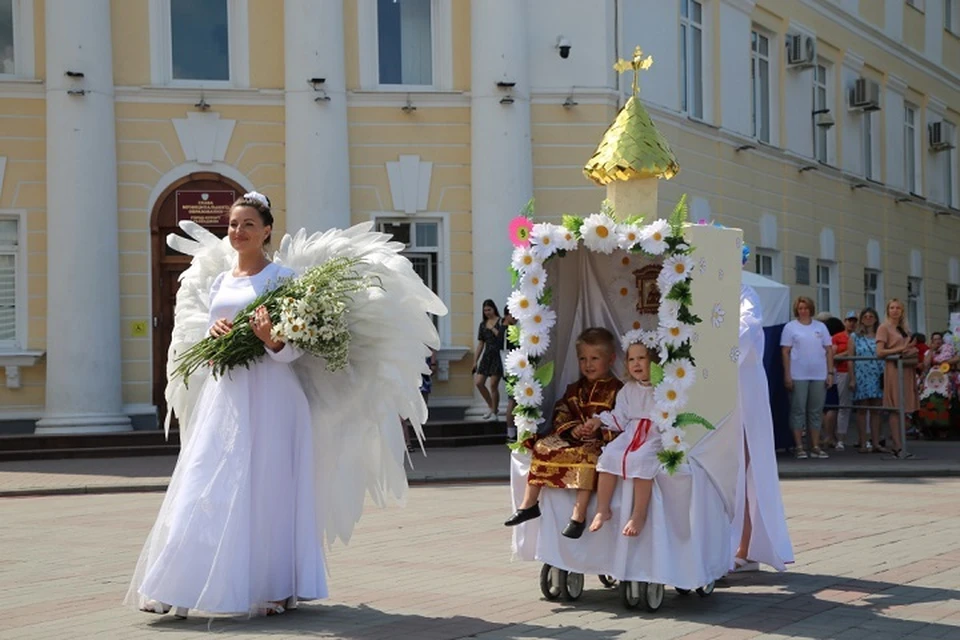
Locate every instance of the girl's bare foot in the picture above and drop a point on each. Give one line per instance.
(599, 519)
(632, 528)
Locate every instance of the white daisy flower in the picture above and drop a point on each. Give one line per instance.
(540, 321)
(663, 418)
(717, 316)
(599, 233)
(680, 372)
(651, 340)
(534, 279)
(673, 440)
(668, 312)
(518, 364)
(676, 269)
(628, 235)
(633, 336)
(653, 237)
(543, 240)
(675, 336)
(521, 303)
(669, 397)
(526, 424)
(534, 344)
(528, 393)
(566, 240)
(523, 258)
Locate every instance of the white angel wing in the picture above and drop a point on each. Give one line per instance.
(357, 412)
(211, 257)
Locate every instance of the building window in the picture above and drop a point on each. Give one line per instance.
(953, 298)
(872, 288)
(949, 166)
(802, 264)
(951, 21)
(8, 60)
(760, 85)
(820, 106)
(768, 263)
(867, 137)
(199, 40)
(827, 289)
(422, 242)
(691, 57)
(915, 314)
(10, 293)
(909, 147)
(405, 42)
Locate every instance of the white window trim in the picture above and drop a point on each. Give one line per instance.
(161, 50)
(685, 75)
(912, 129)
(919, 5)
(949, 170)
(443, 259)
(878, 292)
(834, 286)
(921, 324)
(19, 343)
(775, 262)
(23, 42)
(773, 62)
(441, 26)
(953, 24)
(826, 85)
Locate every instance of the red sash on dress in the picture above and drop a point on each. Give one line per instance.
(639, 437)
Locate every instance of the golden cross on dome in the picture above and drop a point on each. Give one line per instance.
(639, 63)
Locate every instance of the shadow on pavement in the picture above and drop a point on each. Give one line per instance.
(368, 623)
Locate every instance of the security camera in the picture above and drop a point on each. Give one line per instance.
(563, 44)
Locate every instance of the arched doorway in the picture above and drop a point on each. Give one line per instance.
(204, 198)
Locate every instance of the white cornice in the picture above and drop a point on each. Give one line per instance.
(746, 6)
(895, 83)
(936, 105)
(853, 61)
(191, 95)
(401, 98)
(20, 88)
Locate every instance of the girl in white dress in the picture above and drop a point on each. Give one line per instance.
(633, 453)
(238, 531)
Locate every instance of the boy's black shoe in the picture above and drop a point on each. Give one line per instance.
(574, 529)
(522, 515)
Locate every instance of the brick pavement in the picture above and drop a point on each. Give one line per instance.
(876, 559)
(116, 475)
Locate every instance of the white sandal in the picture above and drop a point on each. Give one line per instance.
(742, 565)
(161, 608)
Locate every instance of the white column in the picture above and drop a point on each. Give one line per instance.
(83, 387)
(317, 158)
(501, 172)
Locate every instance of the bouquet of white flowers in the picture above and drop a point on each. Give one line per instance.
(308, 312)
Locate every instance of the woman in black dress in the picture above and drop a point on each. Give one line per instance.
(487, 366)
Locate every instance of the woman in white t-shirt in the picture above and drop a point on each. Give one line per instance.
(807, 372)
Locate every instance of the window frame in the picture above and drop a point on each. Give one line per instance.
(916, 303)
(23, 42)
(161, 48)
(756, 57)
(821, 155)
(691, 83)
(832, 288)
(773, 255)
(949, 169)
(876, 292)
(911, 179)
(441, 28)
(21, 297)
(951, 21)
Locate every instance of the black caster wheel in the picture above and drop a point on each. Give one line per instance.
(705, 590)
(652, 595)
(682, 592)
(574, 586)
(608, 581)
(631, 593)
(553, 582)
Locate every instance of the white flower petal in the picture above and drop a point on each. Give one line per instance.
(543, 240)
(668, 312)
(521, 304)
(653, 237)
(534, 280)
(534, 344)
(680, 373)
(673, 439)
(518, 364)
(599, 233)
(628, 236)
(523, 258)
(528, 393)
(669, 396)
(675, 336)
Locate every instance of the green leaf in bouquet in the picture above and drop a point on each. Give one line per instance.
(514, 278)
(528, 209)
(686, 317)
(679, 216)
(683, 351)
(544, 374)
(606, 208)
(518, 447)
(635, 220)
(656, 374)
(687, 419)
(546, 298)
(573, 224)
(513, 335)
(681, 293)
(670, 460)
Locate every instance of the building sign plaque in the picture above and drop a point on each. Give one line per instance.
(209, 209)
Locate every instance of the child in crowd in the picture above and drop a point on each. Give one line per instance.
(566, 458)
(633, 453)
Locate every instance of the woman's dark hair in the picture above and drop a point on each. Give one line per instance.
(493, 305)
(834, 325)
(265, 214)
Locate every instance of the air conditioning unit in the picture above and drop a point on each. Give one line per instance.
(824, 119)
(801, 50)
(941, 136)
(865, 95)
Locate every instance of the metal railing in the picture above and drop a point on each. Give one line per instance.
(900, 393)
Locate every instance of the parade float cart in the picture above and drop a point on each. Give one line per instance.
(680, 284)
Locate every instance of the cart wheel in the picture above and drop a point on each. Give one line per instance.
(705, 590)
(652, 595)
(682, 592)
(630, 593)
(608, 581)
(553, 582)
(574, 587)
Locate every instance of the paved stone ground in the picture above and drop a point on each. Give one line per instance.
(463, 464)
(876, 559)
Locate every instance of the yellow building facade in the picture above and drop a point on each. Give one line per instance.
(826, 130)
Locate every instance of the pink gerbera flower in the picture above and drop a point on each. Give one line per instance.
(520, 229)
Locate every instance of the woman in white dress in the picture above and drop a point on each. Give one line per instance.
(238, 531)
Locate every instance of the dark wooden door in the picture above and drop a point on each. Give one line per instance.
(169, 264)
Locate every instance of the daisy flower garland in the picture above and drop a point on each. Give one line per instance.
(529, 339)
